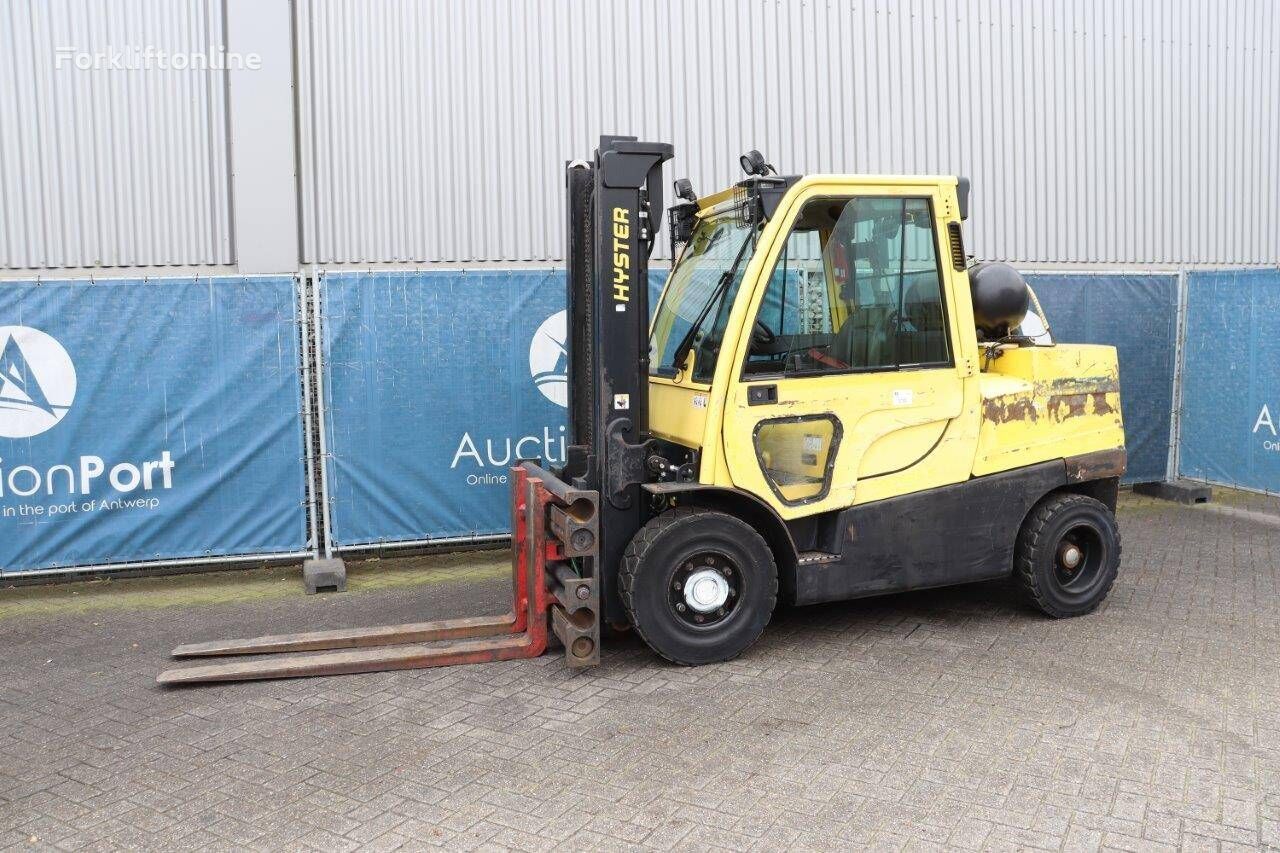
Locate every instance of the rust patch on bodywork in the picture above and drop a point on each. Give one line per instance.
(1095, 466)
(1106, 384)
(1061, 399)
(1064, 406)
(1003, 410)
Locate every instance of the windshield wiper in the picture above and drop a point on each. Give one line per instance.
(726, 278)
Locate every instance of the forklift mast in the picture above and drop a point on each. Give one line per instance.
(614, 216)
(569, 527)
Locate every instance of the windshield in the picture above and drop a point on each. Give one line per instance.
(698, 290)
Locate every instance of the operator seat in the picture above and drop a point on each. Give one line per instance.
(922, 339)
(865, 338)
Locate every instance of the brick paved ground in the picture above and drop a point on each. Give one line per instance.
(952, 718)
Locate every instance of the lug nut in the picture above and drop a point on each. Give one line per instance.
(680, 607)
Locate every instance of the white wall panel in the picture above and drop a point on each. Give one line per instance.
(111, 167)
(1134, 132)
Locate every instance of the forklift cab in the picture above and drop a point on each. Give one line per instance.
(811, 354)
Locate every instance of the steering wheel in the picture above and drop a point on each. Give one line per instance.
(762, 334)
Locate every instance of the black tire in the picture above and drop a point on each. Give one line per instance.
(663, 551)
(1043, 561)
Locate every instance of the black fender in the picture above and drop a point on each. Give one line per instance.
(1097, 474)
(750, 509)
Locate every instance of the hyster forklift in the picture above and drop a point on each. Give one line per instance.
(830, 402)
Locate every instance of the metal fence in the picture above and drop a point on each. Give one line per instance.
(148, 422)
(1229, 407)
(1137, 313)
(152, 421)
(435, 381)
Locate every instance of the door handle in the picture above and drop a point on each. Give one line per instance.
(760, 395)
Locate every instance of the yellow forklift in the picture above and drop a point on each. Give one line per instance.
(829, 403)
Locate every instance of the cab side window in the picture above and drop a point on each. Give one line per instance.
(857, 287)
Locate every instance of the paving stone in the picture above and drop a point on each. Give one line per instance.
(948, 719)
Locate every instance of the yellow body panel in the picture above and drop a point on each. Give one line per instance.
(1043, 403)
(899, 431)
(715, 199)
(682, 412)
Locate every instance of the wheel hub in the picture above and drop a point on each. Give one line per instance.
(1078, 559)
(1070, 556)
(706, 590)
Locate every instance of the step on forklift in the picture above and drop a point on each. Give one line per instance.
(830, 402)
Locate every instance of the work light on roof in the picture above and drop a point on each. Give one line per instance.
(753, 163)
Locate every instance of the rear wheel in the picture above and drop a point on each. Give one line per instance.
(699, 586)
(1068, 555)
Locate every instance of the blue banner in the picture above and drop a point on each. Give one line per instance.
(1138, 315)
(149, 420)
(1230, 430)
(435, 383)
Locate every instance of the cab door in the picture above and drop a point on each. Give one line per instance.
(848, 373)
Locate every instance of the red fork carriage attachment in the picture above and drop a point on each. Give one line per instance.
(554, 527)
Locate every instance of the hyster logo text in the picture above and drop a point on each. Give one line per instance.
(37, 382)
(621, 257)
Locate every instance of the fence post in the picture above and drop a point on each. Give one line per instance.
(317, 337)
(305, 342)
(1179, 366)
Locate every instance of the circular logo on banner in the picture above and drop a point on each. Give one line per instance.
(37, 382)
(549, 359)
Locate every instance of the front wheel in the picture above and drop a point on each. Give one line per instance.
(1068, 555)
(699, 586)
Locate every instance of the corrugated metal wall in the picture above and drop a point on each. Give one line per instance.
(1096, 131)
(107, 166)
(1134, 132)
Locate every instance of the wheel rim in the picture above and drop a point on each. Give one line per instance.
(705, 590)
(1078, 559)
